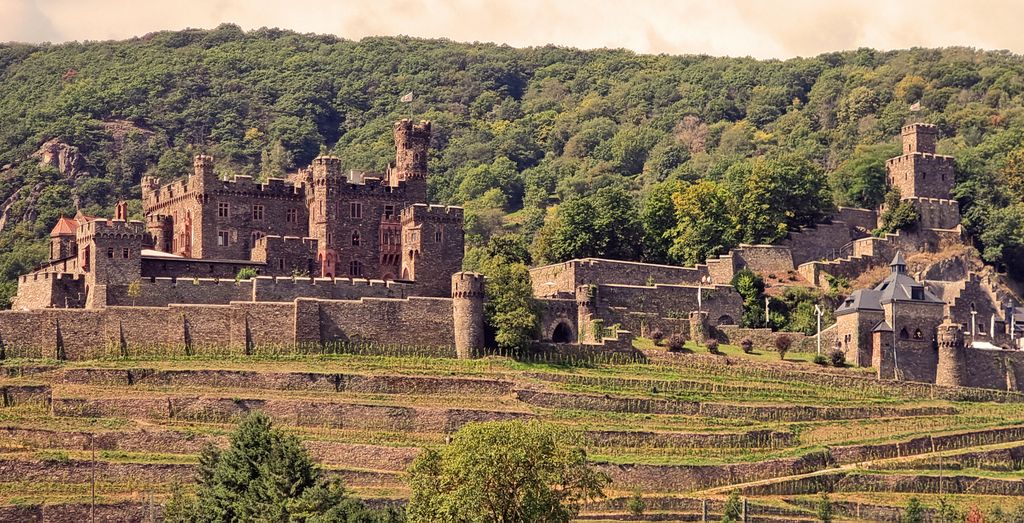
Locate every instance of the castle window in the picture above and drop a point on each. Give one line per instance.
(355, 238)
(257, 212)
(355, 209)
(904, 335)
(917, 293)
(124, 253)
(110, 252)
(438, 236)
(256, 235)
(223, 209)
(355, 268)
(280, 264)
(222, 238)
(389, 211)
(918, 334)
(292, 215)
(330, 239)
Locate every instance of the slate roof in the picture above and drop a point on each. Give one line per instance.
(897, 287)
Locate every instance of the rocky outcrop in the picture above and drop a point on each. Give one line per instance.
(61, 156)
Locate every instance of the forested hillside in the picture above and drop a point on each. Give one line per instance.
(558, 152)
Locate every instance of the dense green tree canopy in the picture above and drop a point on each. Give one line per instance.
(266, 475)
(504, 472)
(543, 127)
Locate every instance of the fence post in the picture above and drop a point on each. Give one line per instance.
(744, 510)
(704, 510)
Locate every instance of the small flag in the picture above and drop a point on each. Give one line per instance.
(916, 106)
(407, 97)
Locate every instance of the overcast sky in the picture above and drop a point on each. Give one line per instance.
(759, 28)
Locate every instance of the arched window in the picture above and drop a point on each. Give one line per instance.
(904, 334)
(355, 268)
(355, 238)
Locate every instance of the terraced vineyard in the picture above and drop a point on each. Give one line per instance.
(683, 430)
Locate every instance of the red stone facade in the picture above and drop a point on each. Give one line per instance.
(321, 222)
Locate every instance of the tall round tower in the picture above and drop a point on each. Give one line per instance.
(951, 368)
(468, 313)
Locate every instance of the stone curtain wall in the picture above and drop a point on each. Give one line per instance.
(937, 213)
(765, 259)
(565, 277)
(865, 219)
(161, 292)
(415, 321)
(49, 289)
(995, 369)
(191, 268)
(819, 242)
(234, 328)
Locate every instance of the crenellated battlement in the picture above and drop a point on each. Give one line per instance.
(467, 285)
(242, 185)
(49, 275)
(112, 229)
(421, 212)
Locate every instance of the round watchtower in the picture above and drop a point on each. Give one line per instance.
(951, 368)
(468, 313)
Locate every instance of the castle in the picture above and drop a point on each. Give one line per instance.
(320, 222)
(359, 258)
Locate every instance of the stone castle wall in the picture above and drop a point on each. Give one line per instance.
(286, 255)
(863, 219)
(161, 292)
(994, 369)
(49, 289)
(764, 259)
(193, 268)
(822, 241)
(178, 329)
(936, 213)
(565, 277)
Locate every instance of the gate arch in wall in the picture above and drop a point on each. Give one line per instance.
(561, 330)
(725, 319)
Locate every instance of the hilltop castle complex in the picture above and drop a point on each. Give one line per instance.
(361, 257)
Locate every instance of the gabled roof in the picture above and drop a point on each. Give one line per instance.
(65, 227)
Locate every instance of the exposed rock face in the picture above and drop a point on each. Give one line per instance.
(65, 158)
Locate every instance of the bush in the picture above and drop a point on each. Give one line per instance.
(838, 358)
(658, 336)
(820, 359)
(914, 513)
(782, 344)
(676, 342)
(824, 508)
(246, 273)
(713, 347)
(636, 504)
(747, 345)
(733, 510)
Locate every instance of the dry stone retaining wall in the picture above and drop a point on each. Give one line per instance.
(311, 381)
(300, 413)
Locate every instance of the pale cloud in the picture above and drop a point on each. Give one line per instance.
(760, 28)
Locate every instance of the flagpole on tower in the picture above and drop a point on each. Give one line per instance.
(407, 99)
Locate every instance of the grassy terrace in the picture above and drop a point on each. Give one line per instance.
(644, 414)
